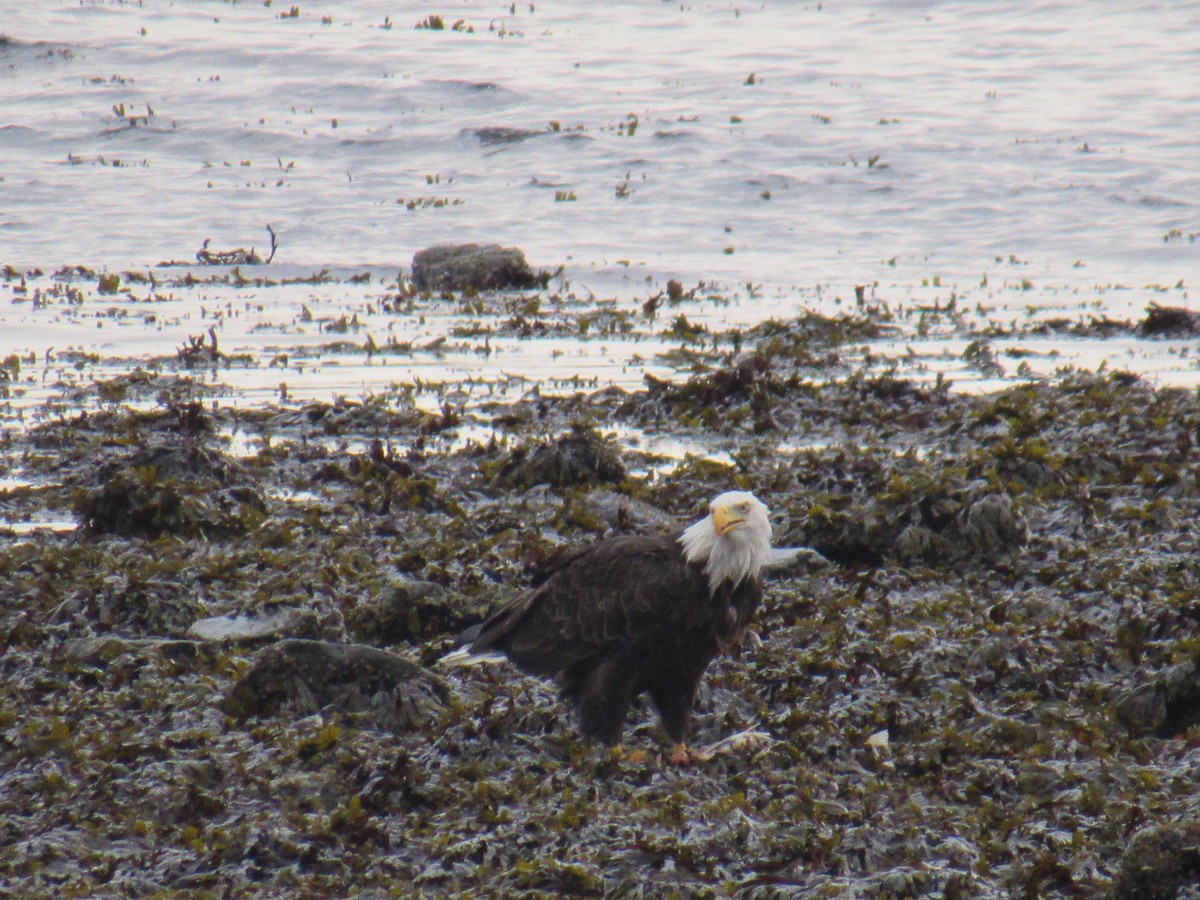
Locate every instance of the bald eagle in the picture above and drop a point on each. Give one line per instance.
(639, 614)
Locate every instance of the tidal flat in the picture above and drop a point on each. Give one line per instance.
(917, 274)
(221, 622)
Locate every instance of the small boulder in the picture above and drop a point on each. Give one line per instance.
(302, 677)
(479, 267)
(105, 651)
(942, 526)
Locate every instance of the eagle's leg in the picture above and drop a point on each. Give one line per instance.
(674, 700)
(605, 692)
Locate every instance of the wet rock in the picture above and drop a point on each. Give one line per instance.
(901, 882)
(350, 417)
(813, 328)
(1159, 863)
(480, 267)
(799, 559)
(409, 610)
(300, 677)
(1169, 321)
(581, 456)
(1094, 327)
(980, 356)
(622, 513)
(297, 623)
(1165, 705)
(182, 487)
(996, 653)
(113, 658)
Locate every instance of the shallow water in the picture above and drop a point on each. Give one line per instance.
(801, 149)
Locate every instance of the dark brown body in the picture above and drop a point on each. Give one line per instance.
(618, 618)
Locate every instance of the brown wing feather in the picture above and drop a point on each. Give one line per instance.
(635, 589)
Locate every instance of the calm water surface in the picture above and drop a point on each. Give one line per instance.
(1030, 158)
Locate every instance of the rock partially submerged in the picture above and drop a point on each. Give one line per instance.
(1169, 321)
(479, 267)
(302, 677)
(490, 135)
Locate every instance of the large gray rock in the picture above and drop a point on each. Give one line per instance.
(481, 267)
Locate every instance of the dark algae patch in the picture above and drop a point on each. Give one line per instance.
(176, 486)
(991, 692)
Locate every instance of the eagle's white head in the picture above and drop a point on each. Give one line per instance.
(733, 541)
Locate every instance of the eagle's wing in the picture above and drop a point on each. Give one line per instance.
(595, 597)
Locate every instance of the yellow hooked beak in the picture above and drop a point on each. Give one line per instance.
(726, 519)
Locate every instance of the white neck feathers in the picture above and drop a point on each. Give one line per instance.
(739, 554)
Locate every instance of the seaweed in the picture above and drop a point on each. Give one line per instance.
(581, 456)
(991, 692)
(180, 487)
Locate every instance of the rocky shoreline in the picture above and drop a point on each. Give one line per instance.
(223, 681)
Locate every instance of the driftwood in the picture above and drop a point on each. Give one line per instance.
(239, 257)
